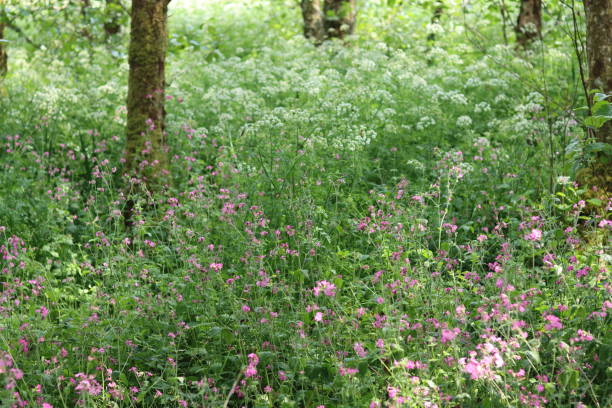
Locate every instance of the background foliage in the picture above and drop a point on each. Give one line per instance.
(388, 222)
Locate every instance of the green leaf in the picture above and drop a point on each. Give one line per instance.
(602, 108)
(535, 356)
(426, 253)
(595, 201)
(595, 122)
(598, 147)
(570, 379)
(600, 96)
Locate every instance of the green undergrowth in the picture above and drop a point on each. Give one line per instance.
(388, 222)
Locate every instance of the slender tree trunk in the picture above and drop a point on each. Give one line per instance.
(340, 16)
(112, 26)
(599, 58)
(3, 54)
(146, 153)
(529, 23)
(85, 5)
(313, 20)
(503, 11)
(435, 19)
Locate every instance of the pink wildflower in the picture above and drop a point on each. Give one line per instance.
(347, 371)
(449, 335)
(553, 322)
(534, 235)
(582, 335)
(251, 371)
(359, 350)
(325, 287)
(43, 311)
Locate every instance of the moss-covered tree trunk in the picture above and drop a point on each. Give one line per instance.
(85, 6)
(599, 56)
(313, 20)
(340, 16)
(435, 19)
(146, 151)
(112, 11)
(3, 54)
(529, 23)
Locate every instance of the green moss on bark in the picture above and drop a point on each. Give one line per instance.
(112, 10)
(340, 16)
(313, 20)
(599, 51)
(3, 54)
(529, 24)
(146, 148)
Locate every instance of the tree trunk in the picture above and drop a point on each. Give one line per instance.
(313, 20)
(112, 10)
(529, 23)
(599, 58)
(340, 18)
(435, 19)
(3, 55)
(599, 44)
(85, 4)
(146, 151)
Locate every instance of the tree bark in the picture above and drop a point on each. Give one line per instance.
(112, 26)
(435, 19)
(146, 150)
(340, 16)
(599, 59)
(313, 20)
(529, 23)
(85, 5)
(3, 54)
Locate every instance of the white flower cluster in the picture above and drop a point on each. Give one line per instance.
(482, 107)
(425, 122)
(355, 138)
(464, 121)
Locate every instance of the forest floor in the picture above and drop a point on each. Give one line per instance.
(365, 225)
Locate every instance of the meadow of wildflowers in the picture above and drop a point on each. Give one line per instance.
(387, 223)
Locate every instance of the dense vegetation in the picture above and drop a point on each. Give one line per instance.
(390, 220)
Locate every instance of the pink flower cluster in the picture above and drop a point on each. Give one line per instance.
(582, 335)
(12, 373)
(251, 369)
(449, 335)
(87, 384)
(325, 287)
(490, 359)
(347, 371)
(409, 364)
(553, 322)
(534, 235)
(359, 350)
